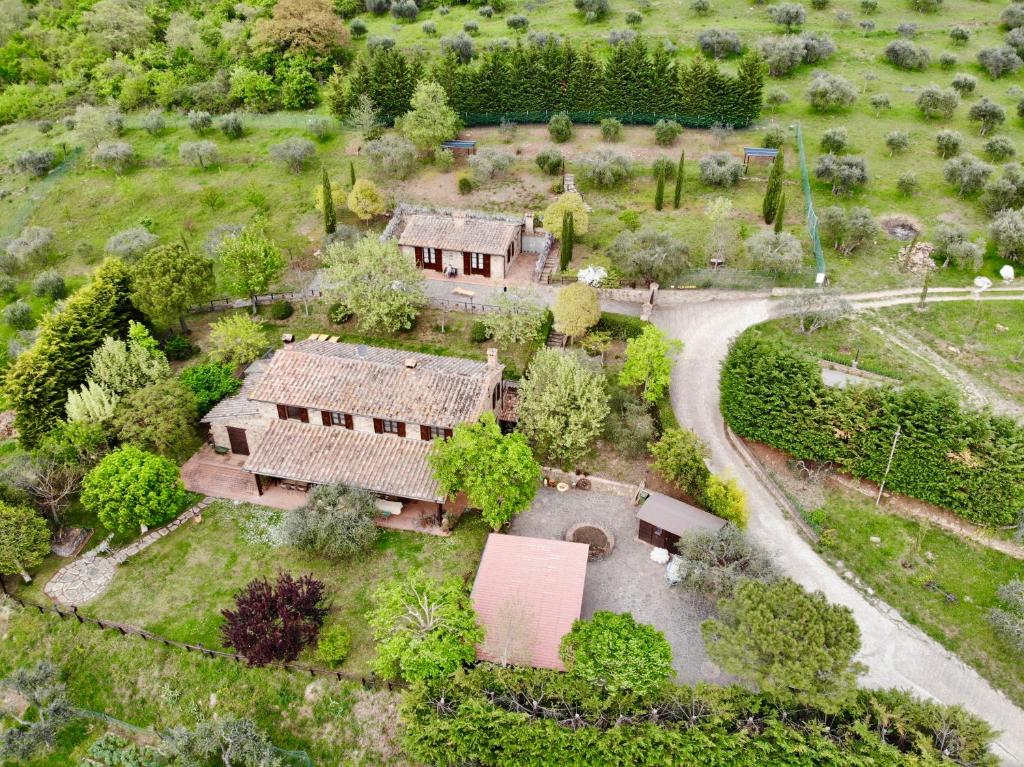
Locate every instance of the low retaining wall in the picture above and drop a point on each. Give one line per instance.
(598, 484)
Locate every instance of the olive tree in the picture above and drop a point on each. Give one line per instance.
(517, 317)
(845, 172)
(650, 255)
(788, 15)
(603, 168)
(202, 153)
(391, 156)
(988, 114)
(719, 43)
(834, 140)
(336, 522)
(828, 92)
(1007, 230)
(778, 252)
(937, 103)
(720, 169)
(131, 243)
(35, 162)
(1000, 148)
(952, 246)
(967, 173)
(907, 55)
(294, 153)
(964, 84)
(897, 142)
(999, 61)
(948, 143)
(118, 156)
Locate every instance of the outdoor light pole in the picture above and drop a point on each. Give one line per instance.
(892, 452)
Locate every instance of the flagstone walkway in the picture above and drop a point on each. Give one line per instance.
(89, 576)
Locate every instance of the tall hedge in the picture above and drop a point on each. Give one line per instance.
(967, 461)
(529, 81)
(536, 718)
(38, 381)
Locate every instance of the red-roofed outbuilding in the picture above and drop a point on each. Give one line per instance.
(527, 594)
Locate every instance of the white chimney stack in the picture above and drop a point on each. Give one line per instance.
(459, 217)
(528, 223)
(492, 358)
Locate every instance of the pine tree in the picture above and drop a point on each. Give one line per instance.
(780, 214)
(677, 195)
(659, 192)
(774, 190)
(330, 215)
(351, 174)
(568, 237)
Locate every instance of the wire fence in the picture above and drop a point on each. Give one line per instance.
(812, 218)
(471, 119)
(369, 681)
(11, 226)
(223, 304)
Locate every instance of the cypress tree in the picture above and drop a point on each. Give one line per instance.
(330, 215)
(771, 195)
(568, 236)
(351, 174)
(780, 213)
(677, 195)
(659, 192)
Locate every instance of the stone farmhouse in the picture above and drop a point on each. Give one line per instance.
(323, 412)
(467, 243)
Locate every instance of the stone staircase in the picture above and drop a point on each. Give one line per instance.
(556, 340)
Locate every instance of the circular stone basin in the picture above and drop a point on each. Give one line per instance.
(597, 538)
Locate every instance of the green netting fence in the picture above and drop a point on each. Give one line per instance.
(472, 119)
(812, 218)
(12, 224)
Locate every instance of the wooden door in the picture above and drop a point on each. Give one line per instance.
(239, 444)
(467, 263)
(486, 271)
(419, 257)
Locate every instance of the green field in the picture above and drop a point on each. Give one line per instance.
(915, 567)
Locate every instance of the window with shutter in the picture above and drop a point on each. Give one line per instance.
(327, 417)
(348, 421)
(282, 412)
(378, 425)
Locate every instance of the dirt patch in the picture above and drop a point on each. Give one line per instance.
(517, 191)
(900, 227)
(7, 430)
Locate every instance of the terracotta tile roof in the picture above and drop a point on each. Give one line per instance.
(396, 357)
(677, 517)
(239, 405)
(326, 455)
(527, 593)
(448, 232)
(379, 386)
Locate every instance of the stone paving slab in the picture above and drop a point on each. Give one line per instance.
(89, 576)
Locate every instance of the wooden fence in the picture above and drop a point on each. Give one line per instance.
(470, 307)
(223, 304)
(370, 681)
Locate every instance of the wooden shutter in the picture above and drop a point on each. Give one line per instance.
(467, 263)
(447, 433)
(282, 412)
(304, 415)
(325, 416)
(425, 433)
(487, 265)
(419, 257)
(401, 428)
(378, 426)
(348, 421)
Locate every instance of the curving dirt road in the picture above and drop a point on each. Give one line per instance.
(896, 653)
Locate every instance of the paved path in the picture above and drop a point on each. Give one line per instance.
(89, 576)
(896, 653)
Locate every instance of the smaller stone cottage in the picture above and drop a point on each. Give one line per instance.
(458, 243)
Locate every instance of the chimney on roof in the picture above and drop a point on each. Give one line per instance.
(410, 362)
(492, 358)
(528, 223)
(459, 217)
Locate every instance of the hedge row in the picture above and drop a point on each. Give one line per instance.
(967, 461)
(636, 84)
(526, 717)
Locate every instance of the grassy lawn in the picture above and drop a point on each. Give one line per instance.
(985, 338)
(910, 557)
(149, 685)
(178, 586)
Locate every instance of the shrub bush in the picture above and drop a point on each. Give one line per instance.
(988, 114)
(907, 184)
(897, 142)
(782, 54)
(906, 55)
(907, 29)
(967, 173)
(603, 168)
(845, 172)
(611, 129)
(319, 128)
(964, 84)
(429, 28)
(209, 382)
(490, 163)
(550, 161)
(358, 28)
(959, 35)
(334, 644)
(663, 165)
(969, 462)
(719, 43)
(405, 9)
(199, 122)
(179, 348)
(948, 143)
(720, 169)
(517, 22)
(700, 7)
(131, 243)
(336, 522)
(999, 61)
(834, 140)
(392, 156)
(788, 15)
(49, 284)
(478, 332)
(560, 128)
(466, 184)
(18, 315)
(118, 156)
(775, 137)
(339, 313)
(947, 61)
(828, 93)
(231, 126)
(1000, 148)
(666, 132)
(634, 18)
(294, 153)
(936, 103)
(281, 310)
(1012, 16)
(35, 162)
(592, 10)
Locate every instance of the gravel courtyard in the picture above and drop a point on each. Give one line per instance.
(626, 580)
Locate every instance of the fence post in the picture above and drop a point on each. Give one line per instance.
(74, 609)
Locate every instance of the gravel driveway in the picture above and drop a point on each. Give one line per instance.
(626, 580)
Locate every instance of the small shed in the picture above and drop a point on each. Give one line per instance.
(460, 148)
(663, 520)
(527, 594)
(757, 153)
